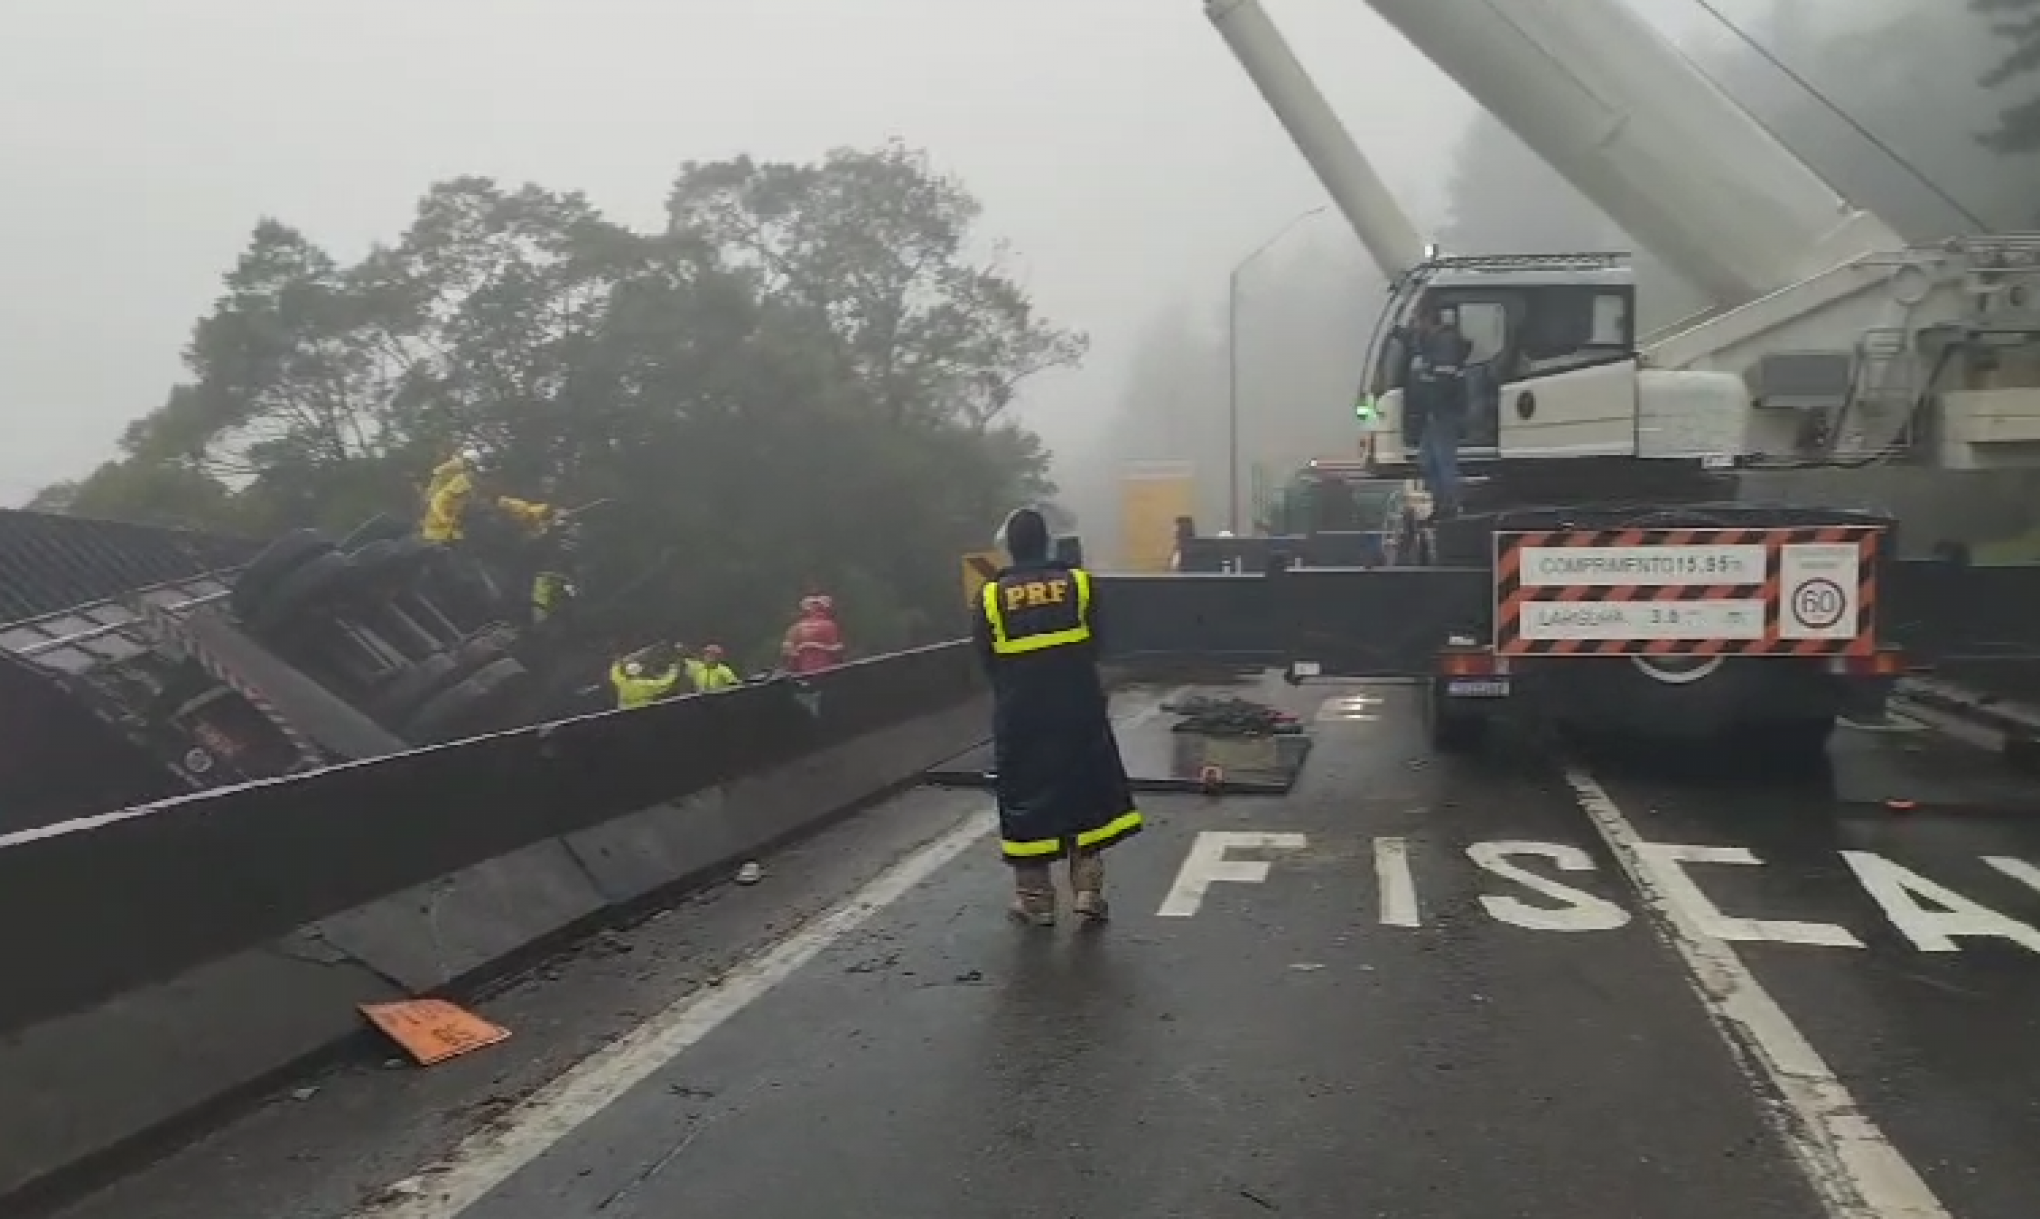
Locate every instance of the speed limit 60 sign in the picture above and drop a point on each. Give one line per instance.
(1818, 590)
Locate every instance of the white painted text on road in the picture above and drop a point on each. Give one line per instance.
(1210, 861)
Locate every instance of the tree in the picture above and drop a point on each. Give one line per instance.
(797, 385)
(2018, 22)
(875, 243)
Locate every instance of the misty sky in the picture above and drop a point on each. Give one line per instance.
(1116, 145)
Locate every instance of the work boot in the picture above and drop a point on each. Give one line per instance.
(1087, 881)
(1034, 895)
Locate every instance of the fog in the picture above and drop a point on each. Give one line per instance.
(1118, 148)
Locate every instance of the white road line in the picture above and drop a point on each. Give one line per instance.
(1852, 1167)
(492, 1156)
(1398, 886)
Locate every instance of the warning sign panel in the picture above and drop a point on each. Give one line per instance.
(1817, 590)
(1738, 592)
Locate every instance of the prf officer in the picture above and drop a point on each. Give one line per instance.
(1062, 789)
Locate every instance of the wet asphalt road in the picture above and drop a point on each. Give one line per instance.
(1342, 1036)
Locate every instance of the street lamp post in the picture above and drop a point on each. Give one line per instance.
(1232, 366)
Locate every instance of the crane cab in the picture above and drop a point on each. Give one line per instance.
(1554, 371)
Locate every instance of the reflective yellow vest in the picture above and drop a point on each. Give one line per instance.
(1032, 610)
(640, 689)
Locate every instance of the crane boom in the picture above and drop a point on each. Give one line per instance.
(1625, 117)
(1360, 194)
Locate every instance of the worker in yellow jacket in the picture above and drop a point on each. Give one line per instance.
(710, 671)
(458, 485)
(648, 675)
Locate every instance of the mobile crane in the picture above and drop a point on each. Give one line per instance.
(1618, 562)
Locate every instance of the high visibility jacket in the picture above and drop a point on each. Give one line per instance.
(643, 688)
(1060, 782)
(441, 473)
(717, 676)
(451, 498)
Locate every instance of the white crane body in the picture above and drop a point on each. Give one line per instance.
(1831, 340)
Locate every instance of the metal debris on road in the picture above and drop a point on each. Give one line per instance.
(1234, 717)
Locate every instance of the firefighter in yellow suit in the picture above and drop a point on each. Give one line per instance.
(457, 485)
(457, 488)
(1062, 789)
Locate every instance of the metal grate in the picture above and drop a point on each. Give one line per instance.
(51, 563)
(1584, 260)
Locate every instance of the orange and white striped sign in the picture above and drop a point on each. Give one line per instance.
(1690, 592)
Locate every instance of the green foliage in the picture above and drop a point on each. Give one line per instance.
(2018, 22)
(797, 385)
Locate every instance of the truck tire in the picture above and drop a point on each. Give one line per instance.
(478, 651)
(389, 563)
(447, 714)
(312, 582)
(277, 560)
(379, 528)
(1452, 730)
(1792, 745)
(406, 692)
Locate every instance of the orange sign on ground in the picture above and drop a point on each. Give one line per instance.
(433, 1030)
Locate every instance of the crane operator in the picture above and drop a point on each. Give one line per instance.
(1061, 786)
(1436, 392)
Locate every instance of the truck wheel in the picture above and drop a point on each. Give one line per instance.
(379, 528)
(1451, 729)
(277, 560)
(1790, 744)
(390, 563)
(410, 688)
(291, 596)
(448, 713)
(478, 651)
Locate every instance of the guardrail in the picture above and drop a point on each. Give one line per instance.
(163, 960)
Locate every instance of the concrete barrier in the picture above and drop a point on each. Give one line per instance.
(159, 963)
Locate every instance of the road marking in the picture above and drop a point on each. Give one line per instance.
(491, 1156)
(1853, 1168)
(1896, 890)
(1349, 709)
(1580, 911)
(1397, 883)
(1703, 919)
(1207, 864)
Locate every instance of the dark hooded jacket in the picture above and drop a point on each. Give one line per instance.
(1060, 782)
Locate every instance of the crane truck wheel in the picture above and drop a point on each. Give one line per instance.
(450, 714)
(1451, 729)
(1795, 745)
(277, 560)
(379, 528)
(298, 591)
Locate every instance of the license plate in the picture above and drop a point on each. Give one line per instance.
(1307, 668)
(1467, 687)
